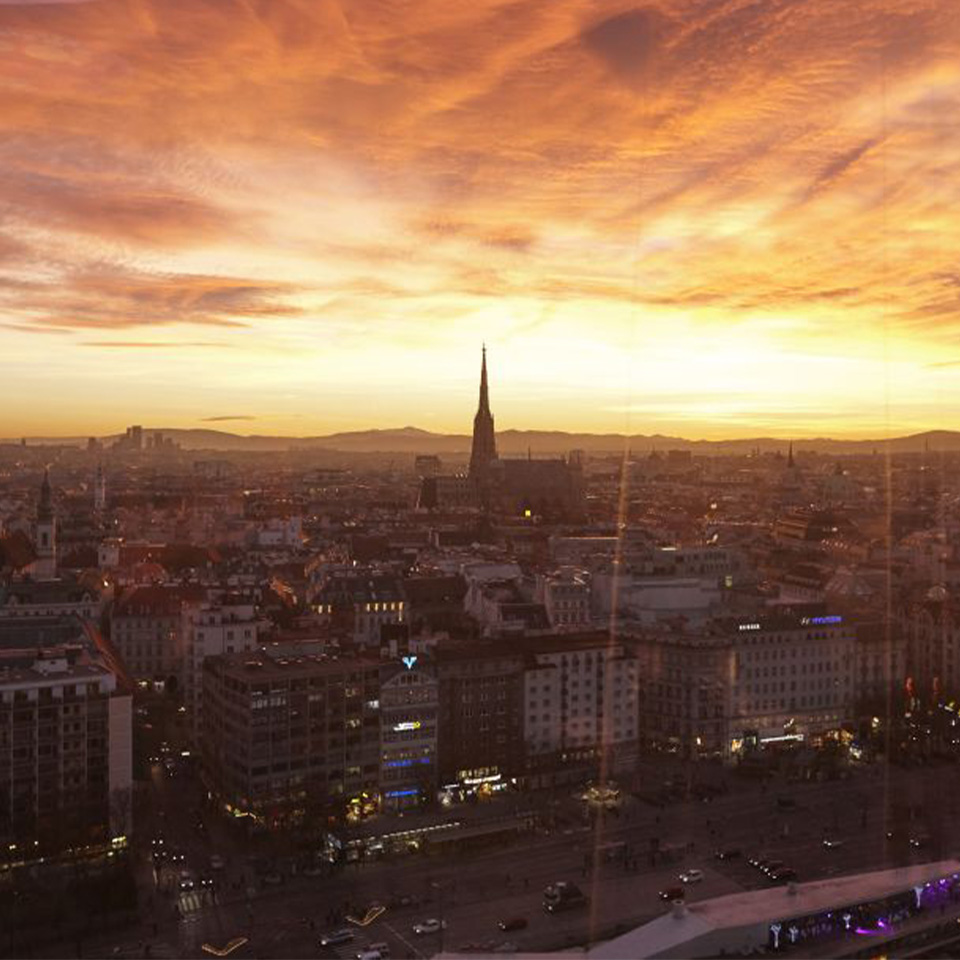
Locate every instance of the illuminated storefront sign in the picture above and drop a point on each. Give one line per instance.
(749, 626)
(493, 778)
(820, 621)
(409, 661)
(406, 725)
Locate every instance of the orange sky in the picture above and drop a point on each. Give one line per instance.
(702, 217)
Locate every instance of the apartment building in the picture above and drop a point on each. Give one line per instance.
(286, 736)
(360, 605)
(210, 628)
(145, 626)
(565, 595)
(480, 739)
(580, 707)
(65, 753)
(733, 684)
(409, 706)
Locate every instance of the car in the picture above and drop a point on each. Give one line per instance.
(832, 843)
(207, 882)
(156, 842)
(919, 840)
(757, 860)
(217, 862)
(514, 923)
(783, 875)
(272, 878)
(381, 948)
(369, 955)
(176, 856)
(673, 893)
(429, 926)
(336, 937)
(691, 876)
(186, 881)
(772, 866)
(730, 854)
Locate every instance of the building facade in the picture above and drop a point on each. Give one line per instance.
(211, 628)
(409, 706)
(480, 738)
(580, 707)
(290, 737)
(65, 754)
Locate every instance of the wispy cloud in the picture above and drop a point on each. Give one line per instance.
(319, 181)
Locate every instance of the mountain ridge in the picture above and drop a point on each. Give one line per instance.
(415, 440)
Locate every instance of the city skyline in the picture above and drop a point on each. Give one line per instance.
(691, 218)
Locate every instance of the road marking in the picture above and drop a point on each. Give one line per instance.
(403, 940)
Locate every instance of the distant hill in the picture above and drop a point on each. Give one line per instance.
(515, 443)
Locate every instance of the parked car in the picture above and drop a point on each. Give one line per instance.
(832, 843)
(336, 937)
(429, 926)
(783, 875)
(919, 840)
(673, 893)
(382, 948)
(691, 876)
(514, 923)
(730, 854)
(772, 866)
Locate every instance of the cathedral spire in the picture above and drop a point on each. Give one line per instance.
(484, 450)
(790, 455)
(484, 390)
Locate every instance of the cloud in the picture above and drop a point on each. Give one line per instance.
(629, 43)
(296, 176)
(150, 344)
(223, 419)
(113, 298)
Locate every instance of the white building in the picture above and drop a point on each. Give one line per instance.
(580, 701)
(565, 595)
(731, 684)
(210, 628)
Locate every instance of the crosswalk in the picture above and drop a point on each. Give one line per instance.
(191, 902)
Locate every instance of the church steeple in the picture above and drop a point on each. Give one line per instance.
(484, 406)
(484, 450)
(44, 505)
(790, 461)
(45, 566)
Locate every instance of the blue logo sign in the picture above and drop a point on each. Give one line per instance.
(409, 661)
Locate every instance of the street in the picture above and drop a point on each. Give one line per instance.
(472, 893)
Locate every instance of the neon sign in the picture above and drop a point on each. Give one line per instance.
(820, 621)
(409, 661)
(406, 725)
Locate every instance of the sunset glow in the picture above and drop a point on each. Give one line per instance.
(711, 218)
